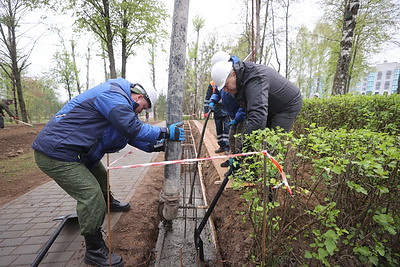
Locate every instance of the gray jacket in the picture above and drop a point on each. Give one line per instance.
(262, 91)
(4, 106)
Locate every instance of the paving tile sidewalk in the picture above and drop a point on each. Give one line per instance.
(27, 222)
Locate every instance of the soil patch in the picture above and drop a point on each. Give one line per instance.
(18, 172)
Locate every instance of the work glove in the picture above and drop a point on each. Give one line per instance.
(175, 133)
(15, 117)
(211, 105)
(234, 164)
(232, 123)
(205, 115)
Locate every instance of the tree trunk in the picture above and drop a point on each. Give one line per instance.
(124, 44)
(176, 83)
(264, 35)
(104, 62)
(16, 71)
(349, 24)
(14, 94)
(78, 86)
(258, 30)
(110, 37)
(274, 39)
(152, 52)
(287, 39)
(87, 68)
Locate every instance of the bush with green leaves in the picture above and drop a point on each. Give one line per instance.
(346, 202)
(374, 112)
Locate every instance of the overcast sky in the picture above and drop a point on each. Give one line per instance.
(222, 17)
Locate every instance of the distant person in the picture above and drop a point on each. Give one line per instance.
(69, 148)
(221, 119)
(235, 112)
(316, 95)
(4, 103)
(147, 116)
(270, 100)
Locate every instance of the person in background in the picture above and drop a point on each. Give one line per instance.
(221, 119)
(235, 112)
(269, 98)
(69, 148)
(4, 103)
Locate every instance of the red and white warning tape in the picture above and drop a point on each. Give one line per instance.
(130, 152)
(168, 162)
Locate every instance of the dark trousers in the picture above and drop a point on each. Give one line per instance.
(222, 127)
(1, 122)
(283, 120)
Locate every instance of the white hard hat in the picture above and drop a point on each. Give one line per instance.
(219, 56)
(219, 72)
(316, 94)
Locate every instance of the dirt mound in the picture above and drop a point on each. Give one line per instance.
(16, 139)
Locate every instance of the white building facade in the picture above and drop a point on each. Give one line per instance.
(383, 81)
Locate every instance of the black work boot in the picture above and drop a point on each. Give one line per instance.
(116, 205)
(220, 150)
(225, 163)
(97, 252)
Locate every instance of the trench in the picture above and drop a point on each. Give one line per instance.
(175, 244)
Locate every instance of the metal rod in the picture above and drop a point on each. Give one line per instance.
(264, 222)
(108, 210)
(53, 237)
(198, 155)
(197, 231)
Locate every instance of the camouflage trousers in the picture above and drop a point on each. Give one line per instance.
(87, 187)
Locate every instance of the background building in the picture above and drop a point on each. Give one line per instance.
(383, 81)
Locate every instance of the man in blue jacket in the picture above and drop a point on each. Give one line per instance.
(69, 149)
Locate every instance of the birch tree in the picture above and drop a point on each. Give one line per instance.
(351, 8)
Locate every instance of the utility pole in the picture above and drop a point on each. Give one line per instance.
(172, 175)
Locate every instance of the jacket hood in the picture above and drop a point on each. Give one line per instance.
(123, 83)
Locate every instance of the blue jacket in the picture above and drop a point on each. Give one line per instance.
(232, 106)
(98, 121)
(219, 108)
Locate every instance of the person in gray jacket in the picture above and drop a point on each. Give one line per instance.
(4, 103)
(270, 100)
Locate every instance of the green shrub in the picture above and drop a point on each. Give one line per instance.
(374, 112)
(346, 182)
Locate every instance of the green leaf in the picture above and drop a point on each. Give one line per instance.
(337, 169)
(373, 260)
(362, 190)
(330, 234)
(322, 253)
(330, 246)
(362, 250)
(308, 255)
(383, 189)
(380, 250)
